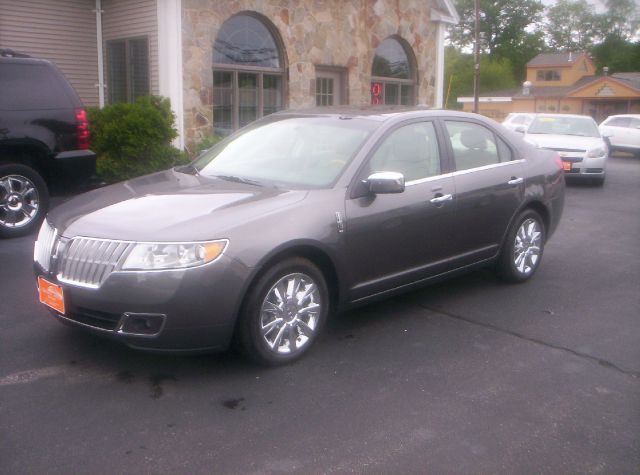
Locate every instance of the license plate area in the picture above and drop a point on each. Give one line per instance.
(51, 295)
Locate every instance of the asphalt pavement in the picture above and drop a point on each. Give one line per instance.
(468, 376)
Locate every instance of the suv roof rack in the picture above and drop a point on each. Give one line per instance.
(9, 53)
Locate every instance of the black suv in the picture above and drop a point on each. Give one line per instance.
(44, 140)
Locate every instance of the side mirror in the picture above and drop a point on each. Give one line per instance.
(381, 183)
(521, 129)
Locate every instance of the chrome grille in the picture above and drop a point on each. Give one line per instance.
(44, 245)
(88, 262)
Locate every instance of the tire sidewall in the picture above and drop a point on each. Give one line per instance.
(30, 174)
(506, 265)
(252, 343)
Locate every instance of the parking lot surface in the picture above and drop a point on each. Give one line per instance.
(468, 376)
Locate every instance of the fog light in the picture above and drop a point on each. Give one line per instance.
(141, 323)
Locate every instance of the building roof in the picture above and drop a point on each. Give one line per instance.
(556, 59)
(631, 79)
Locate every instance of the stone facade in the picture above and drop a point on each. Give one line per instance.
(341, 33)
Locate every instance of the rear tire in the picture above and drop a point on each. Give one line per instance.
(284, 313)
(24, 200)
(522, 251)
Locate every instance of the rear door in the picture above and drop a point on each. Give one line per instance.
(489, 184)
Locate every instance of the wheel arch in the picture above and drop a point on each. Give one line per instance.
(308, 250)
(31, 154)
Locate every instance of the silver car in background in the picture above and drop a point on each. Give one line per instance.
(623, 132)
(577, 140)
(296, 217)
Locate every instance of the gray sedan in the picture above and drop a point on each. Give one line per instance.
(296, 217)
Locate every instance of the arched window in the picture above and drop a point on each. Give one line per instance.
(248, 73)
(393, 74)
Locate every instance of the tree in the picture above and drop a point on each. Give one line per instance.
(572, 26)
(617, 54)
(504, 24)
(495, 74)
(622, 19)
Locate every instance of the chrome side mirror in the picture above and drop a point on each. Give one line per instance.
(381, 183)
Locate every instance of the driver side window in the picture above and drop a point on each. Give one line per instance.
(473, 145)
(411, 150)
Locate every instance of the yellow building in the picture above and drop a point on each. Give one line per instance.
(564, 83)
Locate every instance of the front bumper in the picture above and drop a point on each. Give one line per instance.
(176, 311)
(585, 167)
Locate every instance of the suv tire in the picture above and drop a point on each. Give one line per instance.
(24, 200)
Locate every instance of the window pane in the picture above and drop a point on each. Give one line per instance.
(411, 150)
(139, 68)
(272, 94)
(473, 145)
(391, 93)
(324, 92)
(406, 95)
(222, 102)
(244, 39)
(391, 60)
(30, 86)
(248, 95)
(117, 58)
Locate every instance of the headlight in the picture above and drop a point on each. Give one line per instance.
(180, 255)
(596, 152)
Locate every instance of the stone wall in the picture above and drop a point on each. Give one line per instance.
(343, 33)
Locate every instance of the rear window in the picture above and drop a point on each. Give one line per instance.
(31, 87)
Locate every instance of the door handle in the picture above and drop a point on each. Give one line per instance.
(515, 181)
(441, 199)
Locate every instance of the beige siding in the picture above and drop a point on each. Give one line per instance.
(62, 31)
(129, 19)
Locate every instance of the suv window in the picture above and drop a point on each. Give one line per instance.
(473, 145)
(31, 87)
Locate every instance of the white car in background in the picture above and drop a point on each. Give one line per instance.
(517, 119)
(577, 140)
(623, 132)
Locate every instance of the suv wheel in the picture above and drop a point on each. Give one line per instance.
(24, 200)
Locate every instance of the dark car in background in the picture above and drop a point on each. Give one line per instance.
(44, 140)
(297, 216)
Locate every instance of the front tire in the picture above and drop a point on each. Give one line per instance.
(24, 200)
(284, 312)
(522, 250)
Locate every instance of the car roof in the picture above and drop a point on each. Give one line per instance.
(634, 116)
(380, 113)
(573, 116)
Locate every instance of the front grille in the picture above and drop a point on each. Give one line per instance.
(88, 262)
(44, 245)
(570, 150)
(593, 170)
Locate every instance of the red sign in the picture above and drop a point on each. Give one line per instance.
(376, 93)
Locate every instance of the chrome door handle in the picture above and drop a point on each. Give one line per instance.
(516, 181)
(441, 199)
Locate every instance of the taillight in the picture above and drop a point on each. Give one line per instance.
(82, 129)
(559, 162)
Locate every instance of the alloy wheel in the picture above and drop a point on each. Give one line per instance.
(19, 201)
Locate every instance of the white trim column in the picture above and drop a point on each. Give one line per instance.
(440, 85)
(170, 60)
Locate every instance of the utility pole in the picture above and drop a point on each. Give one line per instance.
(476, 59)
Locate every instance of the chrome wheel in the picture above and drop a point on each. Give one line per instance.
(19, 201)
(527, 246)
(290, 314)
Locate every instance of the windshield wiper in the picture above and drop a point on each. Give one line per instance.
(188, 169)
(239, 179)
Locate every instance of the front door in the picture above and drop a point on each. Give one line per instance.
(396, 239)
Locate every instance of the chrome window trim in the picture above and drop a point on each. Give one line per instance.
(462, 172)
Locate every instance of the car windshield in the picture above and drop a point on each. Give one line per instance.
(584, 127)
(299, 152)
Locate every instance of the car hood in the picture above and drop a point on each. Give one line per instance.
(572, 142)
(168, 206)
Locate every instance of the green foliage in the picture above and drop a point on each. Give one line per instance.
(572, 25)
(618, 55)
(495, 74)
(134, 139)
